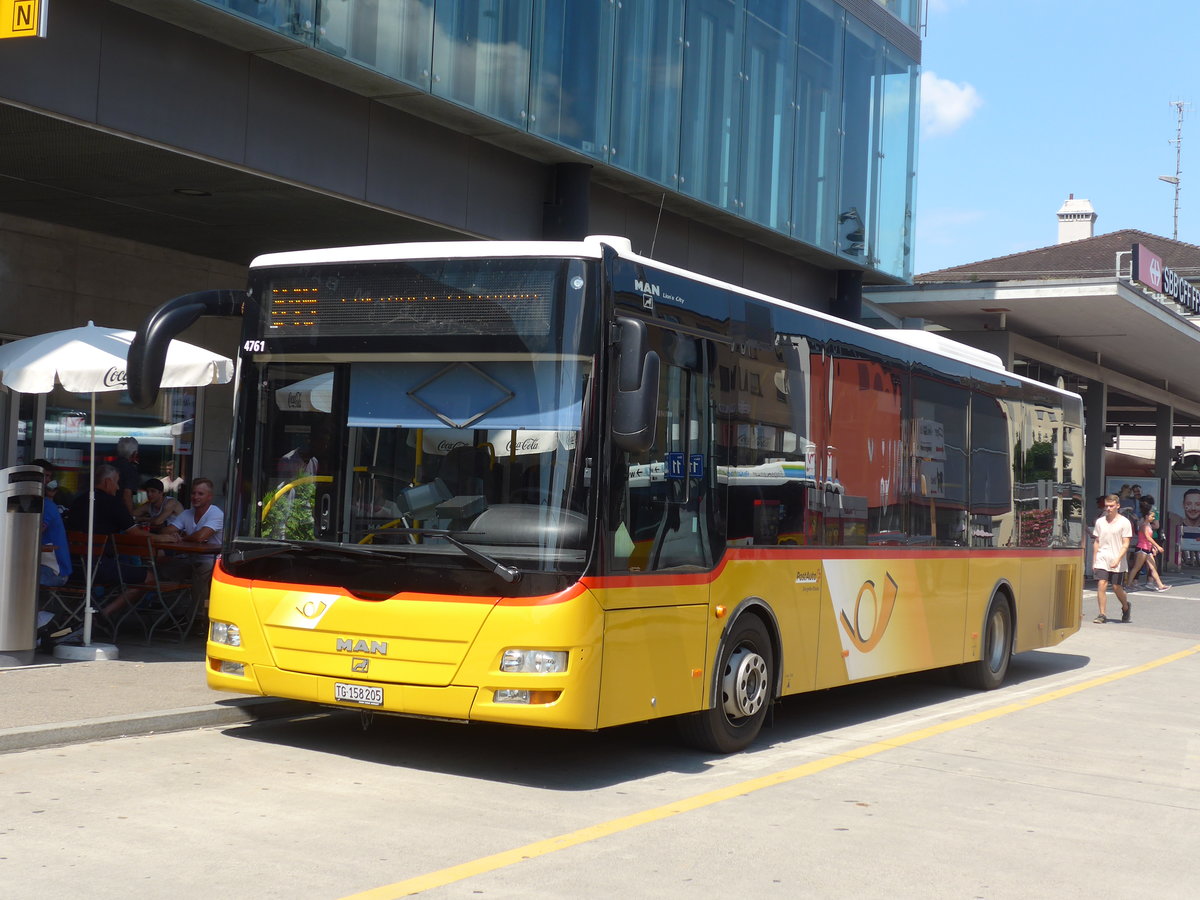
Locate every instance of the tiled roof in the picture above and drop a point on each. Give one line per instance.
(1093, 257)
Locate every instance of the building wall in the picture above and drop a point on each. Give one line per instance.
(53, 277)
(765, 116)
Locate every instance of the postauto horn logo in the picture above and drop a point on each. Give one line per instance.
(866, 635)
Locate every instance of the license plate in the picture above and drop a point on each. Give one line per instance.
(358, 693)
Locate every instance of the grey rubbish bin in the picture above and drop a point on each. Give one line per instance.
(20, 548)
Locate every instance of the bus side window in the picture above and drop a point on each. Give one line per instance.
(939, 503)
(992, 517)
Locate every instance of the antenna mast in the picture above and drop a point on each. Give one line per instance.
(1178, 142)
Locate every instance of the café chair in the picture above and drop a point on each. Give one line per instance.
(165, 603)
(67, 602)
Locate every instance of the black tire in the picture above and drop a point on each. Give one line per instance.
(745, 685)
(987, 673)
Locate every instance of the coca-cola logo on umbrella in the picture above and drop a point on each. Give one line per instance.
(525, 445)
(114, 376)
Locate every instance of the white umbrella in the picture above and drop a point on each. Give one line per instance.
(313, 394)
(90, 359)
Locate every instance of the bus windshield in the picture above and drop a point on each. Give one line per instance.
(414, 445)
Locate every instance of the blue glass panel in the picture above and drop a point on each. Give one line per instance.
(394, 37)
(768, 116)
(907, 11)
(818, 122)
(777, 16)
(294, 18)
(897, 165)
(481, 56)
(647, 73)
(712, 77)
(572, 74)
(862, 67)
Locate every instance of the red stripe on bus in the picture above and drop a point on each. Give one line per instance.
(654, 579)
(752, 554)
(892, 552)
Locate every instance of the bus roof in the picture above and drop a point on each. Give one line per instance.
(592, 247)
(589, 248)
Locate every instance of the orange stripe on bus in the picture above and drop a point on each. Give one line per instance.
(222, 575)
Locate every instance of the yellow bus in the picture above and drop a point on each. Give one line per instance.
(561, 484)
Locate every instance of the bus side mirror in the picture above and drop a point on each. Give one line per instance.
(147, 355)
(635, 400)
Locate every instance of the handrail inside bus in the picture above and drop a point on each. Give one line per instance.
(291, 486)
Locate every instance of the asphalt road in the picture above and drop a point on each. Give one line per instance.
(1079, 778)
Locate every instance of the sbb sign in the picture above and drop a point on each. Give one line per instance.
(1148, 269)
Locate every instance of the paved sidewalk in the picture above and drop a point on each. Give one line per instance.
(150, 688)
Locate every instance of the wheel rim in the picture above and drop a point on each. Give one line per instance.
(744, 686)
(997, 638)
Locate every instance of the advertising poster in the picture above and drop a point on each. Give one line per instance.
(1131, 490)
(1184, 510)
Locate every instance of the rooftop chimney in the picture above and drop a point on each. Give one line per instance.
(1076, 220)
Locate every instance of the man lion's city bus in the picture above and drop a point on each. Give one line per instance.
(560, 484)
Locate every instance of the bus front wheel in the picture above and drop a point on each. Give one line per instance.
(744, 683)
(987, 673)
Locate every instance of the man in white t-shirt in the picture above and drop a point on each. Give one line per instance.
(200, 523)
(1112, 533)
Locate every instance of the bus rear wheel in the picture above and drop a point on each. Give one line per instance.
(987, 673)
(744, 686)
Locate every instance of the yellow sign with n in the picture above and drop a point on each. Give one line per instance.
(23, 18)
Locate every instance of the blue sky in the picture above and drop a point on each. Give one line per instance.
(1027, 101)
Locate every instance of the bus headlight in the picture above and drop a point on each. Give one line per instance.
(225, 633)
(526, 698)
(534, 661)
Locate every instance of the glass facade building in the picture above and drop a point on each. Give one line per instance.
(797, 116)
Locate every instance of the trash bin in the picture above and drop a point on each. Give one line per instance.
(20, 548)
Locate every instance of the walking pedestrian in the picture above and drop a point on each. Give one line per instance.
(1112, 533)
(1147, 547)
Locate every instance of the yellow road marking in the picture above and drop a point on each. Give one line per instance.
(687, 804)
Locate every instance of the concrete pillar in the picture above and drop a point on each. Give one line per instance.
(1164, 442)
(1095, 415)
(566, 214)
(848, 302)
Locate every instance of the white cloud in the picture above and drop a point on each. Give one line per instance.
(945, 105)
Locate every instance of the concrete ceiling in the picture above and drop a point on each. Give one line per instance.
(60, 172)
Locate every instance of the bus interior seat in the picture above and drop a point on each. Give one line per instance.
(465, 470)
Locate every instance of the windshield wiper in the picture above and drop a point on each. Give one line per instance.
(509, 574)
(274, 548)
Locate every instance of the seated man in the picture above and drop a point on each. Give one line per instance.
(110, 517)
(53, 490)
(56, 564)
(158, 509)
(201, 523)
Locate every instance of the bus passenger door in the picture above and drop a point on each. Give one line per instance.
(661, 498)
(658, 513)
